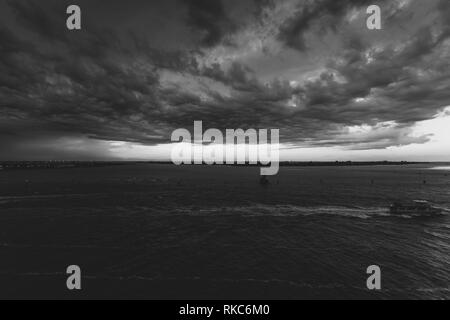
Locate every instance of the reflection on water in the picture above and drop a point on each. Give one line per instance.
(441, 168)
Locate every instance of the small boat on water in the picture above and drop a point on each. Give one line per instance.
(417, 207)
(264, 181)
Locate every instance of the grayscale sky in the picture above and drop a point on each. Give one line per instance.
(140, 69)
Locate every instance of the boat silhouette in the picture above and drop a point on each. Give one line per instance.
(263, 181)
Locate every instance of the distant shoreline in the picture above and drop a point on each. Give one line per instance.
(17, 165)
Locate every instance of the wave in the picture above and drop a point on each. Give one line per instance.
(192, 279)
(250, 210)
(5, 199)
(436, 292)
(262, 210)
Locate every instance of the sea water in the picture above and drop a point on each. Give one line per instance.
(160, 231)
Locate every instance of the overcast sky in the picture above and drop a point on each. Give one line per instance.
(140, 69)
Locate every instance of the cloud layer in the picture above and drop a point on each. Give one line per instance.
(138, 71)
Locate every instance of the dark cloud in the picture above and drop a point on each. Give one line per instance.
(327, 14)
(113, 83)
(238, 76)
(215, 20)
(43, 20)
(391, 75)
(210, 20)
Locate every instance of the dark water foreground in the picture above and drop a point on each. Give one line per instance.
(159, 231)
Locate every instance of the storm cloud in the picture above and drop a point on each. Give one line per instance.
(136, 72)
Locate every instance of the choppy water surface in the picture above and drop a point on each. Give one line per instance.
(159, 231)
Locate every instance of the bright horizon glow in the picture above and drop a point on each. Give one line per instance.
(436, 150)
